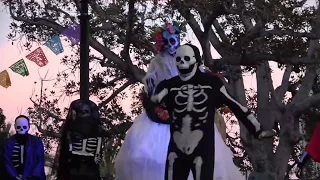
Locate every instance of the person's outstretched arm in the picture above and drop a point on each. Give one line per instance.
(241, 112)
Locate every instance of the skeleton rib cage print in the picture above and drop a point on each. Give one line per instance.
(17, 157)
(192, 105)
(87, 147)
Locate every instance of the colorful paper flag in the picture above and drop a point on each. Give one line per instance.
(55, 44)
(5, 79)
(73, 33)
(20, 67)
(38, 57)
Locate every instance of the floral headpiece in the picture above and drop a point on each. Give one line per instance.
(164, 32)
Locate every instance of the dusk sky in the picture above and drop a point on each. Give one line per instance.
(15, 99)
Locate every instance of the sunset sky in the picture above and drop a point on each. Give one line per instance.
(15, 99)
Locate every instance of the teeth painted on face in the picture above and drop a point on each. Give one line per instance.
(171, 42)
(22, 125)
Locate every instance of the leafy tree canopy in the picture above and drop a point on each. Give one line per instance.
(246, 33)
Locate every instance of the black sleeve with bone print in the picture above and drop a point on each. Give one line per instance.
(241, 112)
(221, 95)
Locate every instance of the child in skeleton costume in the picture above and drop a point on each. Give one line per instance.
(143, 153)
(80, 144)
(23, 154)
(191, 99)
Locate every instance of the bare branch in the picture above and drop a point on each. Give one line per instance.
(283, 88)
(308, 102)
(125, 52)
(274, 96)
(112, 82)
(310, 74)
(46, 132)
(115, 93)
(44, 110)
(96, 8)
(254, 59)
(220, 32)
(49, 6)
(279, 32)
(137, 73)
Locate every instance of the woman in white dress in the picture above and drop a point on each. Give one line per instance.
(143, 153)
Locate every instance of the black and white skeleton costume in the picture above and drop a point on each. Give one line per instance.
(81, 141)
(18, 154)
(191, 99)
(23, 154)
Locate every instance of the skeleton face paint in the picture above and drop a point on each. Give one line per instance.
(167, 38)
(22, 125)
(171, 42)
(186, 62)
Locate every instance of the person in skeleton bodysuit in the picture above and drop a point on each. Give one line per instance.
(143, 153)
(80, 144)
(191, 99)
(23, 153)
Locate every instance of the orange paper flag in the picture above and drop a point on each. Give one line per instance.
(5, 79)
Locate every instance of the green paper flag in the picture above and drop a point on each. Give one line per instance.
(20, 67)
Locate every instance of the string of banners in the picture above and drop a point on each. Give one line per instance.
(38, 57)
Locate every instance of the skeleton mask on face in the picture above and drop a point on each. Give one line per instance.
(188, 60)
(168, 38)
(22, 125)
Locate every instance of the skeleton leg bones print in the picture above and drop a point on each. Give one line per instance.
(191, 99)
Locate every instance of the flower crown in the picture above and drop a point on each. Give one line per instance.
(163, 32)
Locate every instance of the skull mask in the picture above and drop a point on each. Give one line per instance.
(171, 42)
(22, 125)
(187, 60)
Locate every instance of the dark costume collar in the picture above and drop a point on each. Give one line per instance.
(21, 138)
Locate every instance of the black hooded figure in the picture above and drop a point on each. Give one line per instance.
(191, 100)
(80, 143)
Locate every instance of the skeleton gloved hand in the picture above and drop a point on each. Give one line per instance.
(149, 82)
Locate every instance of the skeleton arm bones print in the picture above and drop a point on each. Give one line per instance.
(242, 113)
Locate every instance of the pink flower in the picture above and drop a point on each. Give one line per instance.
(158, 37)
(172, 30)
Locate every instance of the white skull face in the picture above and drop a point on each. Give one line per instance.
(171, 42)
(186, 62)
(21, 125)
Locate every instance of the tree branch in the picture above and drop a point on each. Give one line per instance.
(44, 110)
(274, 96)
(308, 102)
(127, 41)
(115, 93)
(279, 32)
(254, 59)
(283, 88)
(137, 73)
